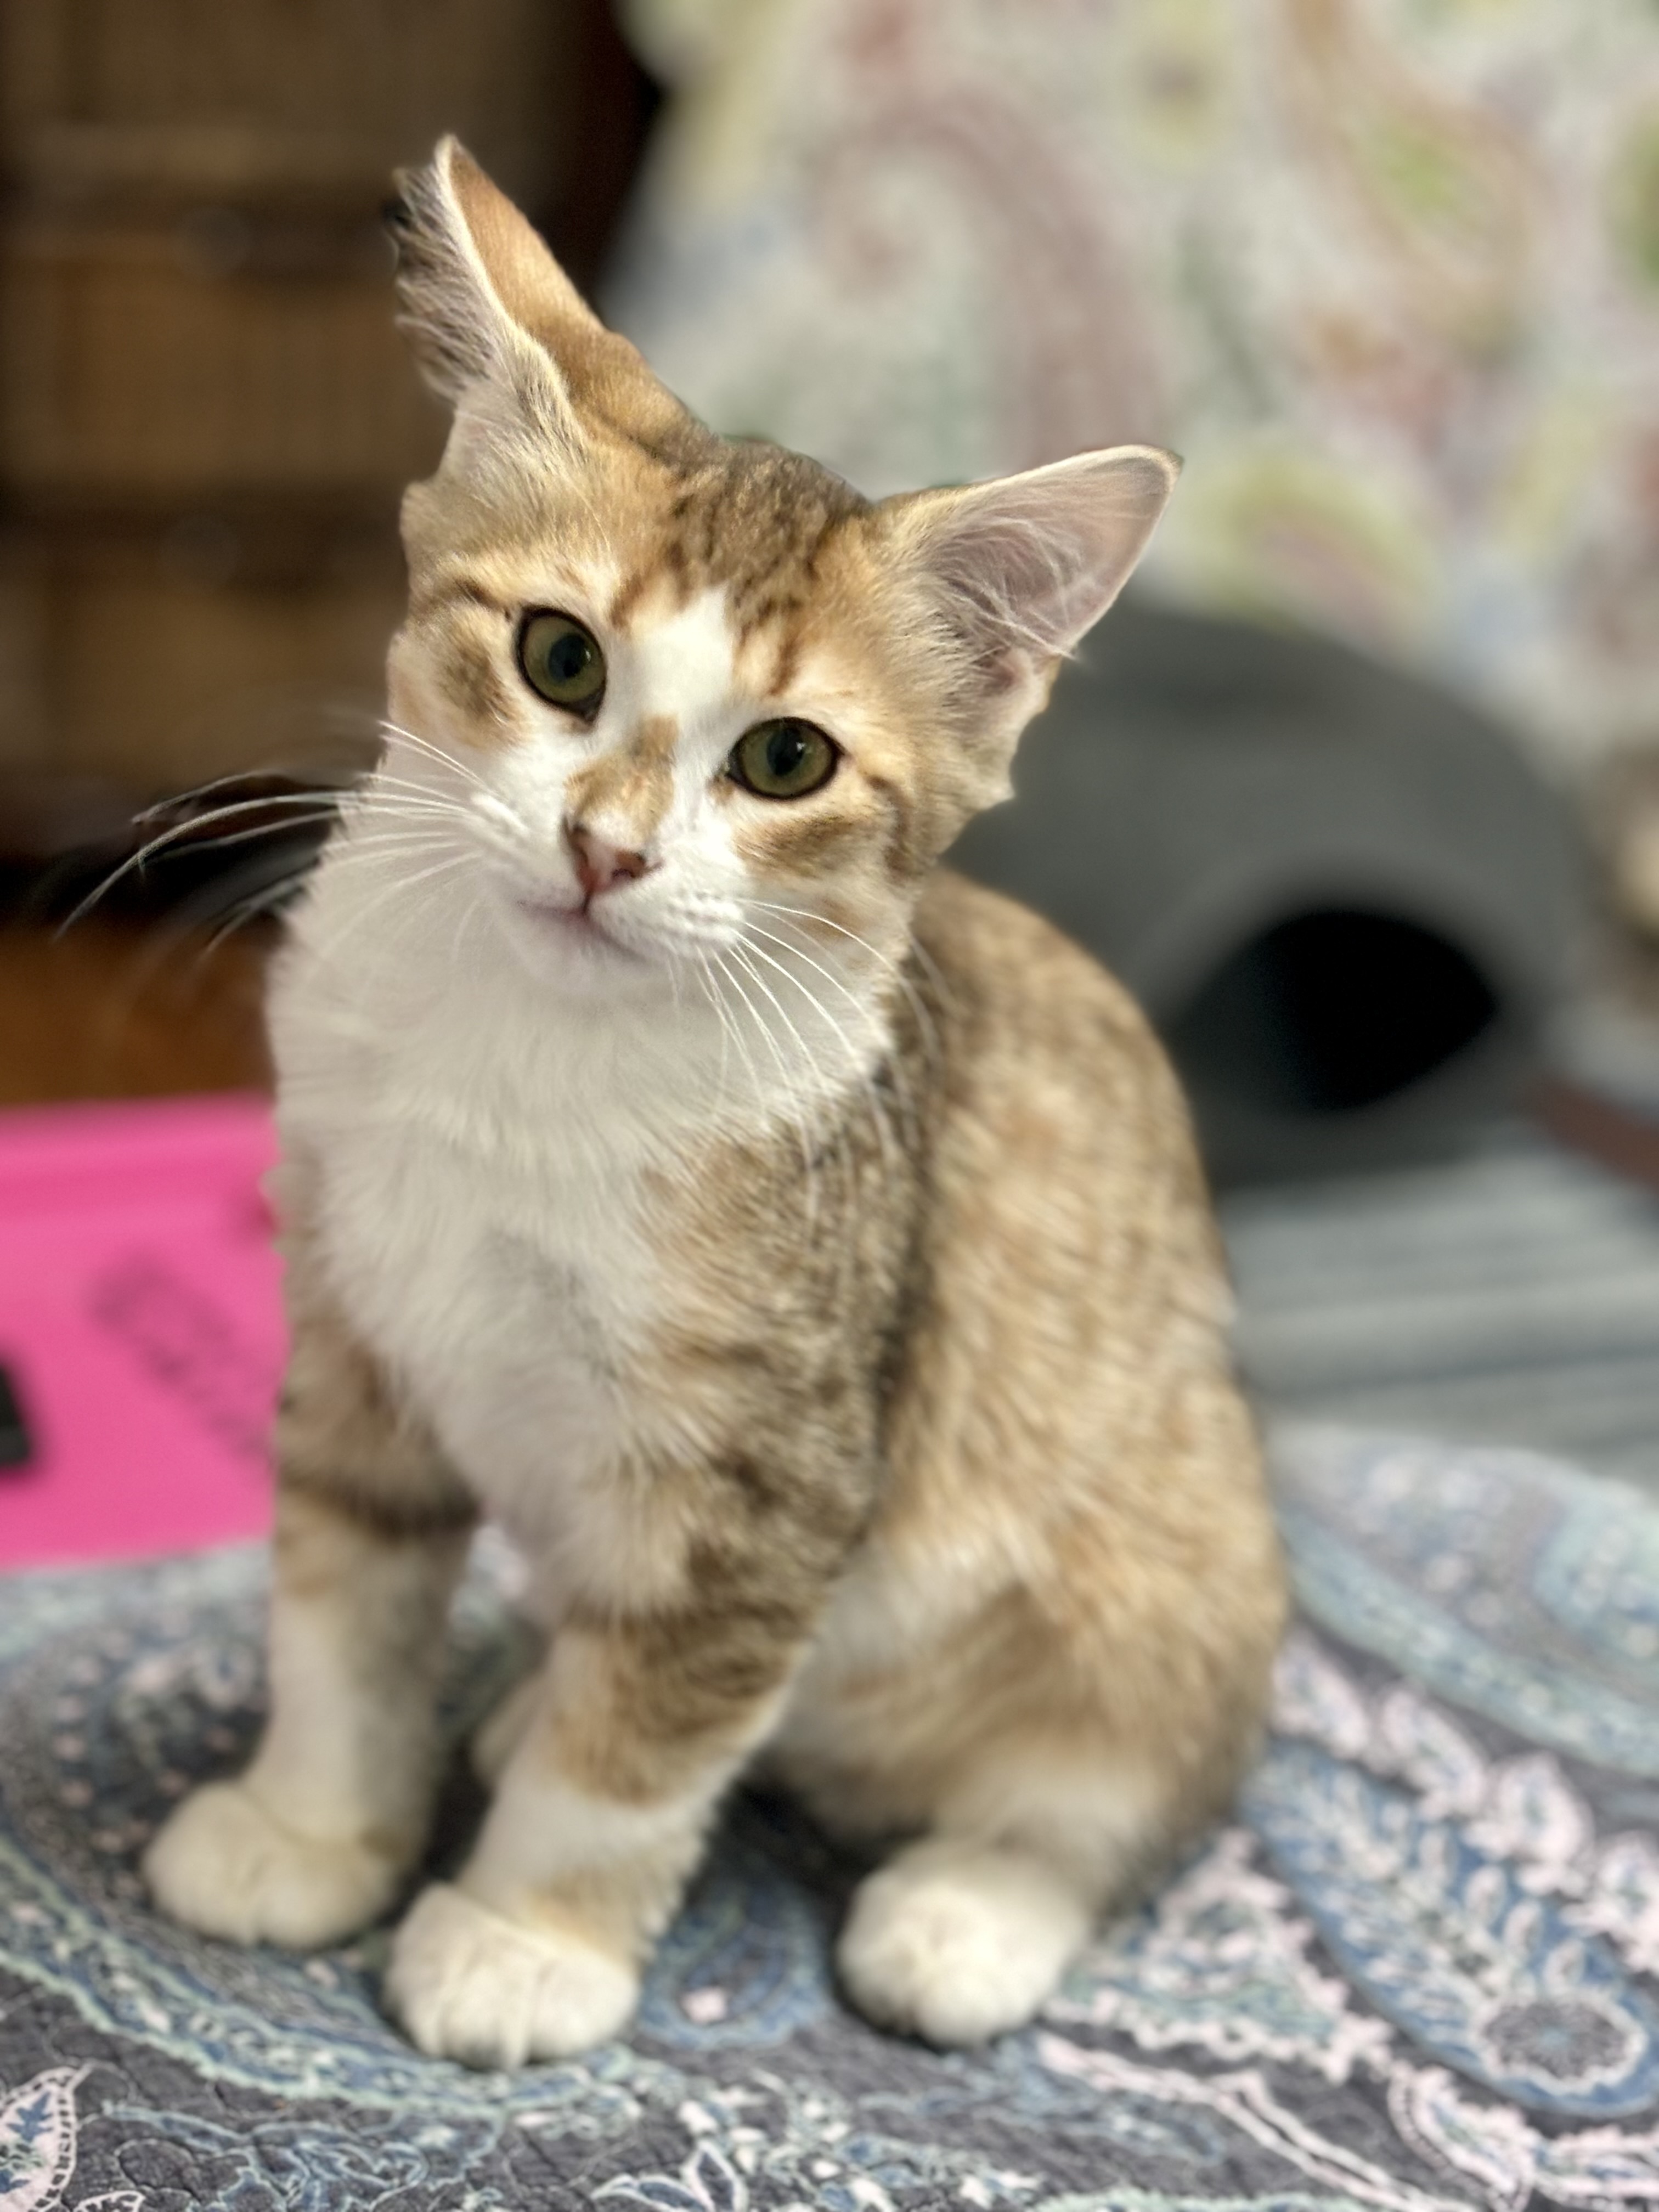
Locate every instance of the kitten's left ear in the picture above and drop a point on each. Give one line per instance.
(1021, 567)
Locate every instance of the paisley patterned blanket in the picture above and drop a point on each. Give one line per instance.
(1420, 1973)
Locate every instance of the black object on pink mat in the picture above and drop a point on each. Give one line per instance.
(16, 1447)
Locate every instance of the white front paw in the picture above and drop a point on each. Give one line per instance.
(957, 1943)
(226, 1865)
(468, 1983)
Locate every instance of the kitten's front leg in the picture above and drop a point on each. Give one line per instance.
(535, 1950)
(313, 1840)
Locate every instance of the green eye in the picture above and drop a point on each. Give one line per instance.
(562, 661)
(782, 760)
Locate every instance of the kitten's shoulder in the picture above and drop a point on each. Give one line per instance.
(1055, 1104)
(1047, 1059)
(999, 964)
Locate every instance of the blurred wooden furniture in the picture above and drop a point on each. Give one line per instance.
(117, 1011)
(206, 415)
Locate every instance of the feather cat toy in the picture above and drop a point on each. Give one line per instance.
(800, 1252)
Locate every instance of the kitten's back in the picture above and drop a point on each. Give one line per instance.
(1070, 1465)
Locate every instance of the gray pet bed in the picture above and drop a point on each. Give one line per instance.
(1343, 896)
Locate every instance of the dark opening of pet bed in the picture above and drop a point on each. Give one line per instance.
(1333, 1010)
(1344, 897)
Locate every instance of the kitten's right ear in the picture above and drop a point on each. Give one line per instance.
(470, 274)
(483, 302)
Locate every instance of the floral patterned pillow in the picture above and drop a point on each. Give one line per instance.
(1387, 271)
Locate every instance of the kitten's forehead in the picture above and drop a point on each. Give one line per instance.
(682, 654)
(749, 521)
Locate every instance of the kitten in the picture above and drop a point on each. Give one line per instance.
(799, 1251)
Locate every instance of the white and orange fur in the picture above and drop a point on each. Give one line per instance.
(799, 1252)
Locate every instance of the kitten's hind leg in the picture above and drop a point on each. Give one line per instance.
(962, 1934)
(956, 1941)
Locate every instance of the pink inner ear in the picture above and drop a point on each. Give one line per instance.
(1034, 561)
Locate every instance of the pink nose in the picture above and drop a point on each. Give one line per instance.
(601, 867)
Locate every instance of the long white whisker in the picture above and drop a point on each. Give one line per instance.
(895, 968)
(785, 1074)
(721, 1016)
(391, 843)
(364, 829)
(267, 802)
(818, 967)
(436, 752)
(746, 956)
(757, 1089)
(713, 997)
(791, 1087)
(180, 799)
(297, 810)
(474, 906)
(376, 805)
(400, 883)
(383, 798)
(792, 1094)
(281, 828)
(907, 1102)
(147, 851)
(382, 778)
(806, 914)
(249, 909)
(884, 1134)
(927, 1028)
(740, 953)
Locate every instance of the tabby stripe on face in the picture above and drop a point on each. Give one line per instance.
(629, 593)
(903, 861)
(471, 680)
(788, 661)
(811, 839)
(631, 789)
(449, 591)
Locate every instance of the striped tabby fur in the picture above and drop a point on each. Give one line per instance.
(800, 1252)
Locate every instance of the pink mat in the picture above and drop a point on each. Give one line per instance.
(141, 1325)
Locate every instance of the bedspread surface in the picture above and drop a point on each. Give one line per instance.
(1420, 1970)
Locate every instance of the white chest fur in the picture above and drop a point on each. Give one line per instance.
(506, 1302)
(489, 1158)
(483, 1168)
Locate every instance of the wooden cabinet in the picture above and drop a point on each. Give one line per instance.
(206, 415)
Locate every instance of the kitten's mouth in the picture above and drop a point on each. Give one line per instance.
(575, 926)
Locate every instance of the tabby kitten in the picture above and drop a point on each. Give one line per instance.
(799, 1251)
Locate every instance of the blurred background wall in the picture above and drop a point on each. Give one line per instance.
(206, 415)
(206, 419)
(1387, 271)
